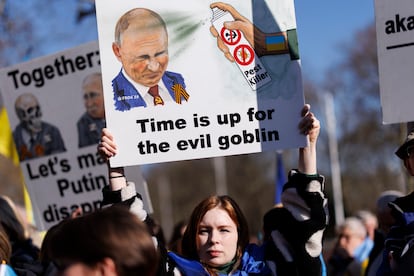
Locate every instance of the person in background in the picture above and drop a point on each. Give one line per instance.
(5, 254)
(398, 254)
(111, 241)
(406, 151)
(92, 122)
(385, 222)
(24, 254)
(369, 220)
(350, 236)
(5, 246)
(371, 223)
(216, 239)
(174, 243)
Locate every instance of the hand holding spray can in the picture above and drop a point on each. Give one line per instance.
(243, 53)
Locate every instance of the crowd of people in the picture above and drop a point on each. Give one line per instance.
(122, 238)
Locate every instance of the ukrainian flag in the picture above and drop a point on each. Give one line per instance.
(7, 147)
(276, 43)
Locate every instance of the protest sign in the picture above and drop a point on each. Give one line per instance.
(212, 104)
(395, 44)
(47, 100)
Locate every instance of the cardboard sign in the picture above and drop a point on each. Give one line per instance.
(54, 105)
(395, 42)
(223, 90)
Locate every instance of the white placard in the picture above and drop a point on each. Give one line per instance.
(395, 43)
(250, 105)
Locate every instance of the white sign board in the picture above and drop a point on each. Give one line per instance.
(213, 104)
(395, 42)
(46, 100)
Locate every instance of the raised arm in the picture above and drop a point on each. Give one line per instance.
(119, 190)
(297, 228)
(310, 126)
(107, 149)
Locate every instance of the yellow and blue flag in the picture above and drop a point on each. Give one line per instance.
(8, 149)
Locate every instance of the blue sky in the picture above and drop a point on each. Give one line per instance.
(323, 25)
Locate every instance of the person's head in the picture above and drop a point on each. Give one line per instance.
(141, 45)
(5, 246)
(369, 220)
(156, 230)
(29, 113)
(351, 234)
(399, 242)
(406, 151)
(112, 241)
(12, 221)
(216, 233)
(93, 95)
(383, 210)
(174, 243)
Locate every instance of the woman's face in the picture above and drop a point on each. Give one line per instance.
(217, 238)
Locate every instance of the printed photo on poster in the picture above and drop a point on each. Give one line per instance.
(92, 121)
(56, 111)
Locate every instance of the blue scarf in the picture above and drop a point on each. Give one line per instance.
(252, 263)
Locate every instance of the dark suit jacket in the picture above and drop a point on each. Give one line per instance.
(48, 141)
(127, 97)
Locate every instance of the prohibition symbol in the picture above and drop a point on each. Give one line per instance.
(230, 37)
(243, 54)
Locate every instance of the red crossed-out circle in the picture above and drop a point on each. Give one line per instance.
(230, 37)
(243, 54)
